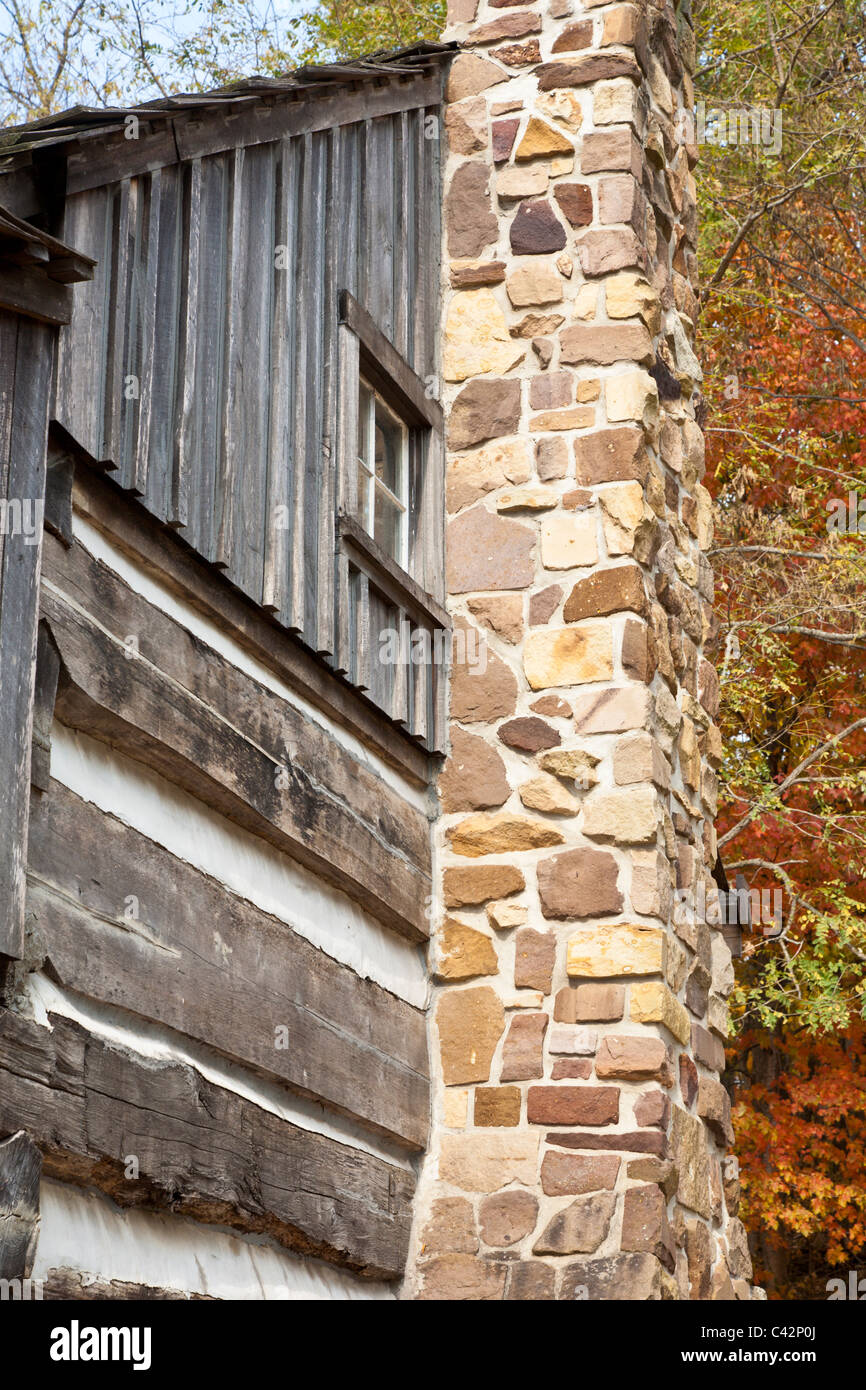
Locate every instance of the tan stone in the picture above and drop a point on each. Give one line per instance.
(473, 778)
(546, 793)
(564, 1174)
(539, 138)
(585, 303)
(632, 1057)
(574, 763)
(611, 711)
(517, 182)
(503, 833)
(652, 1002)
(464, 952)
(476, 339)
(623, 948)
(504, 916)
(572, 656)
(455, 1108)
(637, 757)
(631, 396)
(688, 1140)
(614, 102)
(588, 389)
(536, 283)
(497, 1107)
(625, 518)
(576, 417)
(527, 499)
(459, 1277)
(628, 295)
(470, 1023)
(606, 344)
(450, 1228)
(503, 614)
(629, 817)
(470, 74)
(469, 476)
(470, 887)
(561, 105)
(568, 541)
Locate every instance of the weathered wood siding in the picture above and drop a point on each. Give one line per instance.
(202, 363)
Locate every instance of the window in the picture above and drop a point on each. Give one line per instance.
(383, 475)
(393, 631)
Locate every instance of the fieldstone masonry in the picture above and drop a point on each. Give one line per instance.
(580, 1125)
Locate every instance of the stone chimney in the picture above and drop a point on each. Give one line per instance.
(579, 1010)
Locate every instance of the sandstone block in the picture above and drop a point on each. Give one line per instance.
(484, 410)
(571, 656)
(486, 1162)
(621, 948)
(507, 1217)
(580, 1228)
(631, 1057)
(470, 1024)
(488, 552)
(522, 1053)
(471, 887)
(500, 833)
(534, 959)
(568, 541)
(652, 1002)
(464, 952)
(579, 883)
(573, 1105)
(476, 338)
(473, 778)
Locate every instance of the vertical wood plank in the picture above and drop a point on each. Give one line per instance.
(146, 275)
(208, 391)
(331, 243)
(300, 422)
(26, 433)
(79, 394)
(186, 441)
(277, 537)
(228, 457)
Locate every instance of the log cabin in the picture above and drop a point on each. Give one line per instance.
(353, 782)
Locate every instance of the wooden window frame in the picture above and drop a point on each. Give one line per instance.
(366, 573)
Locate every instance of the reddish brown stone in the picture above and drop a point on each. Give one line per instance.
(451, 1228)
(589, 1003)
(697, 990)
(652, 1110)
(471, 277)
(714, 1108)
(657, 1170)
(551, 459)
(536, 230)
(479, 694)
(518, 55)
(479, 884)
(635, 1278)
(605, 344)
(473, 778)
(707, 1049)
(580, 1228)
(645, 1224)
(643, 1141)
(579, 883)
(497, 1106)
(507, 26)
(485, 409)
(571, 1069)
(577, 500)
(638, 651)
(575, 199)
(551, 391)
(507, 1217)
(502, 135)
(534, 959)
(594, 67)
(543, 349)
(462, 1277)
(634, 1057)
(530, 1280)
(688, 1080)
(533, 324)
(469, 219)
(573, 1105)
(488, 552)
(613, 590)
(620, 200)
(522, 1053)
(564, 1174)
(699, 1256)
(611, 456)
(574, 37)
(528, 735)
(611, 151)
(552, 706)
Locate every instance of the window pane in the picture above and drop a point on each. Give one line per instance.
(365, 406)
(388, 526)
(389, 449)
(364, 496)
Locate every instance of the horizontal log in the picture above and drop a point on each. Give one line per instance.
(258, 761)
(201, 1151)
(126, 923)
(166, 557)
